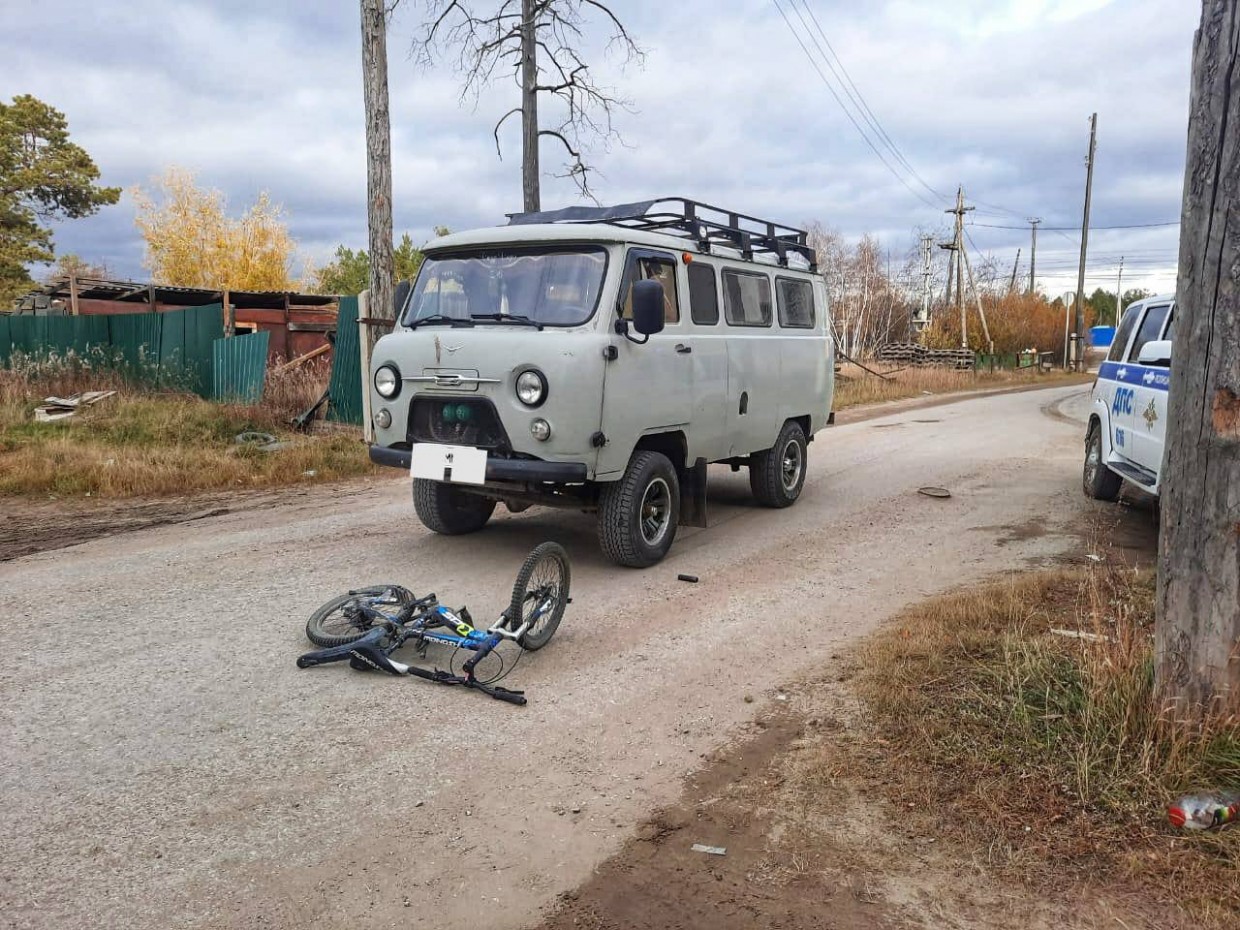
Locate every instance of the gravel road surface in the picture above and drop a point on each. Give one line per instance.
(165, 764)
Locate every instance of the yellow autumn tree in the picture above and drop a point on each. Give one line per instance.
(191, 241)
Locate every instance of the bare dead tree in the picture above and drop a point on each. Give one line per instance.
(538, 43)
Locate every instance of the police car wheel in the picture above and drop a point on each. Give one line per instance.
(1099, 482)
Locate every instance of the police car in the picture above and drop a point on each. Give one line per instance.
(1128, 413)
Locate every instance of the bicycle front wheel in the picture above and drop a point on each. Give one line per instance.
(339, 621)
(540, 595)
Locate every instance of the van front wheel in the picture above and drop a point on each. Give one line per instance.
(637, 515)
(777, 474)
(448, 510)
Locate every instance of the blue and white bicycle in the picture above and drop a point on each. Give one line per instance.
(366, 626)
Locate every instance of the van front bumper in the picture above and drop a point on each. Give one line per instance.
(497, 469)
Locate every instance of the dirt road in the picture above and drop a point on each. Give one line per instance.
(166, 765)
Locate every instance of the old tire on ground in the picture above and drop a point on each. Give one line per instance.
(543, 579)
(1099, 482)
(448, 510)
(777, 474)
(334, 624)
(637, 515)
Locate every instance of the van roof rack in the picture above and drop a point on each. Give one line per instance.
(701, 222)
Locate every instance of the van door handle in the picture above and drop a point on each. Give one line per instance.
(683, 349)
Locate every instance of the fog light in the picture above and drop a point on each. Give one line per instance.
(540, 429)
(383, 418)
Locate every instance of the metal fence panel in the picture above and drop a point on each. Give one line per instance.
(135, 338)
(345, 390)
(5, 340)
(239, 367)
(203, 325)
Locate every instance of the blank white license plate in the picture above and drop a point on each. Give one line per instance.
(455, 464)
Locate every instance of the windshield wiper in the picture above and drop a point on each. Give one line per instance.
(507, 318)
(441, 318)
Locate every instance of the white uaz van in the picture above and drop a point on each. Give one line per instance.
(1128, 420)
(600, 358)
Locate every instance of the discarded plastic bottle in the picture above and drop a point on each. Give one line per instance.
(1204, 811)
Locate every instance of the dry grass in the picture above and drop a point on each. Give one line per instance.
(856, 386)
(1045, 755)
(140, 443)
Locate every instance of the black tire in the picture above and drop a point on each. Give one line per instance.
(545, 574)
(332, 625)
(1099, 482)
(777, 474)
(637, 515)
(450, 511)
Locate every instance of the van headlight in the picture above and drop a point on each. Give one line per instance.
(531, 387)
(387, 381)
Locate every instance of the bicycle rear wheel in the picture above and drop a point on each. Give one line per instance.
(339, 622)
(540, 594)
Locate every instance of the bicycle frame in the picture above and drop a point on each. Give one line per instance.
(421, 620)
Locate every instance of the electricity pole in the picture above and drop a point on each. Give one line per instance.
(957, 247)
(1119, 294)
(923, 318)
(1015, 268)
(1080, 274)
(378, 159)
(1033, 253)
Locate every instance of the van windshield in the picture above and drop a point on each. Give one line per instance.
(550, 287)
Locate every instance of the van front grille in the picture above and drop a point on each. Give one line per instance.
(459, 421)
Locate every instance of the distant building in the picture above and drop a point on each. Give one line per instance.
(298, 323)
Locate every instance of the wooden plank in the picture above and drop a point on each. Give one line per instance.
(315, 353)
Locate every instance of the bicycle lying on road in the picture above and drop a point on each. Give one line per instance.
(366, 626)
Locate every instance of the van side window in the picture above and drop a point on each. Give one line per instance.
(1151, 326)
(647, 267)
(796, 303)
(1120, 343)
(703, 294)
(746, 298)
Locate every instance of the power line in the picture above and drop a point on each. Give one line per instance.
(804, 48)
(854, 93)
(1073, 228)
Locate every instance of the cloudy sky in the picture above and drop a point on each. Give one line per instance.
(728, 108)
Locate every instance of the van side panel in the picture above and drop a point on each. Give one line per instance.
(807, 368)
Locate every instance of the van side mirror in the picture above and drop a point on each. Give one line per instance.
(648, 307)
(1156, 353)
(400, 297)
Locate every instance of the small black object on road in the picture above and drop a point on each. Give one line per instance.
(692, 579)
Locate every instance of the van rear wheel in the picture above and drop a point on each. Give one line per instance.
(637, 515)
(448, 510)
(777, 474)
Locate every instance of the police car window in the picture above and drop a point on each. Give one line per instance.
(1151, 326)
(703, 295)
(1120, 343)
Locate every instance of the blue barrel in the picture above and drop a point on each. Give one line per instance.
(1101, 337)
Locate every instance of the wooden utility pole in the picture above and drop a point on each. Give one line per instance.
(1119, 291)
(1198, 626)
(378, 158)
(1015, 268)
(990, 343)
(1033, 253)
(1080, 273)
(529, 107)
(957, 248)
